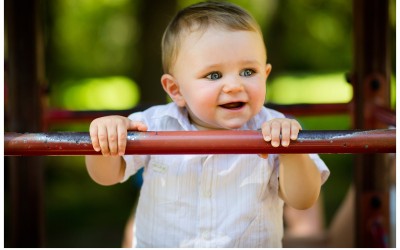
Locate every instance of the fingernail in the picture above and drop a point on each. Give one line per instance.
(275, 144)
(267, 138)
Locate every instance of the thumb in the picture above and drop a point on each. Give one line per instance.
(137, 125)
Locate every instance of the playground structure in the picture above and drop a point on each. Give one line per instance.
(370, 109)
(204, 142)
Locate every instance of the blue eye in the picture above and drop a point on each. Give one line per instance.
(214, 76)
(247, 72)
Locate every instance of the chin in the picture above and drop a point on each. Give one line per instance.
(234, 126)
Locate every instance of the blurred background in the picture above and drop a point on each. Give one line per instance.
(105, 55)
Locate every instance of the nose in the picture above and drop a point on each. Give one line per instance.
(232, 85)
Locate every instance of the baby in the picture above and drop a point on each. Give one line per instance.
(215, 71)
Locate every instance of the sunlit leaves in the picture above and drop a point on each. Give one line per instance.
(325, 88)
(110, 93)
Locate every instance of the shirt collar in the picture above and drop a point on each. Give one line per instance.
(181, 115)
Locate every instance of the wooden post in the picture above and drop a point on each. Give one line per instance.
(25, 75)
(371, 76)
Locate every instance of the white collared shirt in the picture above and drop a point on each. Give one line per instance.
(207, 200)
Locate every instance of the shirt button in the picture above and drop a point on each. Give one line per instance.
(207, 194)
(206, 235)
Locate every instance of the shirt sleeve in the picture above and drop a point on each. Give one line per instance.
(323, 169)
(134, 162)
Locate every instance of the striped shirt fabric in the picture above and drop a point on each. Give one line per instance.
(207, 200)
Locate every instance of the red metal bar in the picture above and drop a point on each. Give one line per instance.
(205, 142)
(60, 115)
(25, 76)
(370, 79)
(385, 115)
(306, 109)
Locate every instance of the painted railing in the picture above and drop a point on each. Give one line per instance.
(205, 142)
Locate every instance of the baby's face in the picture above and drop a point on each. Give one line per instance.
(222, 76)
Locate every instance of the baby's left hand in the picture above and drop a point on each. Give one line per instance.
(288, 128)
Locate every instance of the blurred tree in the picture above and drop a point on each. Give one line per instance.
(90, 38)
(311, 35)
(154, 17)
(95, 39)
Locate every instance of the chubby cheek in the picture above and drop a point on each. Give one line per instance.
(202, 102)
(257, 93)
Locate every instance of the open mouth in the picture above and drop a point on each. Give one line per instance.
(233, 105)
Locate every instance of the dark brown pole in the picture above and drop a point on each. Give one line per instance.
(204, 142)
(153, 18)
(371, 76)
(25, 75)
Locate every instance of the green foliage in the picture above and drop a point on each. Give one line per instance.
(91, 38)
(311, 36)
(393, 92)
(309, 88)
(113, 93)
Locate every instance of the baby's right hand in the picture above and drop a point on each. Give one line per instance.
(109, 134)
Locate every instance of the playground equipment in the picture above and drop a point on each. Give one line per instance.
(204, 142)
(370, 109)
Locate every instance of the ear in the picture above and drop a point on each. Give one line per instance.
(171, 86)
(268, 69)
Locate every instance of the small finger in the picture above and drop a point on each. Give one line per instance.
(266, 131)
(94, 138)
(112, 140)
(122, 137)
(285, 132)
(295, 128)
(103, 140)
(275, 133)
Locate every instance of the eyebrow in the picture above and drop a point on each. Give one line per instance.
(216, 65)
(250, 62)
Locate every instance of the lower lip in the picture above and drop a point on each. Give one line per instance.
(233, 109)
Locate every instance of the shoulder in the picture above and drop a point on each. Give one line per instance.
(264, 115)
(271, 113)
(162, 117)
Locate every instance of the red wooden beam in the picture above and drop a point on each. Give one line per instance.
(205, 142)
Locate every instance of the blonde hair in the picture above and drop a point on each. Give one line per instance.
(199, 17)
